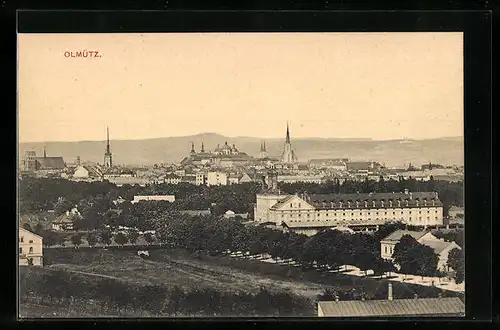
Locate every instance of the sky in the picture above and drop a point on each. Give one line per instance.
(327, 85)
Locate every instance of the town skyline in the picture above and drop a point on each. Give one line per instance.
(382, 86)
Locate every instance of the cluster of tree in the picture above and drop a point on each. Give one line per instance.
(450, 193)
(58, 287)
(103, 237)
(456, 261)
(215, 235)
(415, 258)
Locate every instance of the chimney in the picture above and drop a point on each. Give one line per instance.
(389, 292)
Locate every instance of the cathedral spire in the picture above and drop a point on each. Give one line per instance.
(202, 147)
(264, 146)
(287, 133)
(192, 148)
(108, 148)
(44, 153)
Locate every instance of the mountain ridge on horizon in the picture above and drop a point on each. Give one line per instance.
(214, 134)
(446, 151)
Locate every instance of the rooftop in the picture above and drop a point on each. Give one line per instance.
(398, 234)
(396, 307)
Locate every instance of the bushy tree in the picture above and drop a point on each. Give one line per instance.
(62, 206)
(121, 239)
(92, 239)
(76, 240)
(105, 237)
(149, 238)
(456, 261)
(415, 258)
(132, 236)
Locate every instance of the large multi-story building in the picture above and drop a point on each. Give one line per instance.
(33, 163)
(216, 179)
(225, 156)
(30, 248)
(310, 213)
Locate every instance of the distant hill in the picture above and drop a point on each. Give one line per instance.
(173, 149)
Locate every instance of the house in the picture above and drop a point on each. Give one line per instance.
(168, 198)
(30, 248)
(233, 179)
(231, 215)
(66, 220)
(244, 178)
(172, 179)
(388, 243)
(217, 179)
(364, 167)
(456, 212)
(86, 172)
(440, 246)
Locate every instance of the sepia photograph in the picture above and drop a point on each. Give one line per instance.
(316, 175)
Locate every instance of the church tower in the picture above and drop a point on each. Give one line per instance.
(193, 152)
(288, 155)
(108, 158)
(263, 151)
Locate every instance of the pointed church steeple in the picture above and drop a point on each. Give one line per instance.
(287, 133)
(192, 148)
(108, 148)
(44, 153)
(202, 147)
(108, 158)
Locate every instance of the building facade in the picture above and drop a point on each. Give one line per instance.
(33, 163)
(217, 179)
(167, 198)
(30, 248)
(349, 210)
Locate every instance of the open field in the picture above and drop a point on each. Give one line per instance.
(171, 268)
(167, 269)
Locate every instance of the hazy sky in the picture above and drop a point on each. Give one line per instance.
(338, 85)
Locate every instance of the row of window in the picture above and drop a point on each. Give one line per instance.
(21, 250)
(351, 219)
(22, 239)
(361, 213)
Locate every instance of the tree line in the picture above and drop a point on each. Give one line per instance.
(328, 248)
(39, 194)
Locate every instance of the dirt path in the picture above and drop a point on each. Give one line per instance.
(65, 268)
(186, 272)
